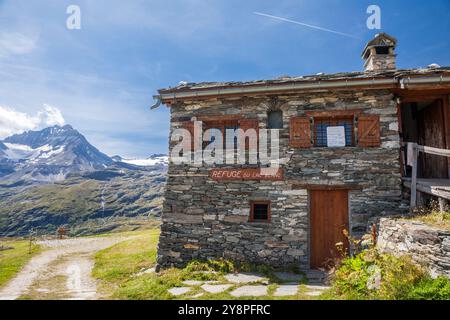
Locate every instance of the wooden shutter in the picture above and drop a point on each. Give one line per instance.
(189, 126)
(369, 131)
(246, 124)
(300, 128)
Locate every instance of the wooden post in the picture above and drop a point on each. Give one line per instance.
(31, 242)
(414, 177)
(442, 204)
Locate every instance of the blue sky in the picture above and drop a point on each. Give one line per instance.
(102, 78)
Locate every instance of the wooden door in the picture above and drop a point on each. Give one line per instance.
(328, 218)
(431, 129)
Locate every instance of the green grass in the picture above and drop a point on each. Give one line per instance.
(13, 260)
(118, 269)
(434, 218)
(121, 261)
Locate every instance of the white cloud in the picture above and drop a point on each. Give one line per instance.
(51, 116)
(12, 121)
(12, 43)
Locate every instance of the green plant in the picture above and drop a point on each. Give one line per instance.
(431, 289)
(373, 275)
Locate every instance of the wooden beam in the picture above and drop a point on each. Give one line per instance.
(435, 151)
(442, 204)
(414, 178)
(299, 186)
(429, 190)
(446, 109)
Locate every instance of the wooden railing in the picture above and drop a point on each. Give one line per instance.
(415, 148)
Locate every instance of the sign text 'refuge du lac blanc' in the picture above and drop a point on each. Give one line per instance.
(247, 174)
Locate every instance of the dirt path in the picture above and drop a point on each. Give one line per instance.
(61, 271)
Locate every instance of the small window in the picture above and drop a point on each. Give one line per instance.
(320, 130)
(220, 127)
(275, 119)
(382, 50)
(260, 211)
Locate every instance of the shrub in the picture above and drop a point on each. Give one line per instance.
(373, 275)
(207, 270)
(431, 289)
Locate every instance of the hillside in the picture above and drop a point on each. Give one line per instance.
(55, 177)
(89, 203)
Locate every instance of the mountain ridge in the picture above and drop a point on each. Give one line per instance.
(54, 176)
(52, 153)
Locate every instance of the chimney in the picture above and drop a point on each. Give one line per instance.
(379, 55)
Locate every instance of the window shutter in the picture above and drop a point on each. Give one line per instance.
(246, 124)
(369, 131)
(189, 126)
(300, 132)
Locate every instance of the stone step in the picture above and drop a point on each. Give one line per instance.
(316, 276)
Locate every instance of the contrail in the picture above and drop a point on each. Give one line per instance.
(305, 25)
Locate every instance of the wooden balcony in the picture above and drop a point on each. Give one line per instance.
(439, 188)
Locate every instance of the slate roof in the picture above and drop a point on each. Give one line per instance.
(384, 74)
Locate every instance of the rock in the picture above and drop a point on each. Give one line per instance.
(313, 293)
(427, 245)
(192, 282)
(249, 291)
(178, 291)
(286, 290)
(215, 288)
(244, 278)
(146, 271)
(287, 276)
(317, 287)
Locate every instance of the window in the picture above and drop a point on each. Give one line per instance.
(275, 119)
(320, 130)
(222, 127)
(382, 50)
(260, 211)
(362, 130)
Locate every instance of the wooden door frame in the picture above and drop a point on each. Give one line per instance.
(421, 96)
(327, 188)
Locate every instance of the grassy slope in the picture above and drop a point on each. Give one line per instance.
(435, 218)
(13, 260)
(76, 202)
(118, 266)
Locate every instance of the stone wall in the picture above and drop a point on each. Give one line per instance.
(204, 219)
(427, 245)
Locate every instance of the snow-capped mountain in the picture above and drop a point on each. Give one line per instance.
(154, 160)
(2, 149)
(49, 154)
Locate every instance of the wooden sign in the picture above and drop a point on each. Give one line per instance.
(274, 174)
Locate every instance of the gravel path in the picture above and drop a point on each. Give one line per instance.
(74, 269)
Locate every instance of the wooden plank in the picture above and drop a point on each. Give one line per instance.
(431, 128)
(369, 131)
(414, 179)
(435, 187)
(442, 204)
(445, 106)
(400, 132)
(300, 132)
(334, 113)
(309, 186)
(435, 151)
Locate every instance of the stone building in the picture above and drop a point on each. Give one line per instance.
(340, 160)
